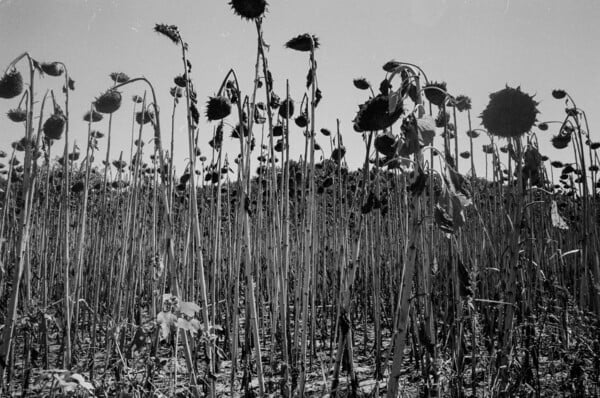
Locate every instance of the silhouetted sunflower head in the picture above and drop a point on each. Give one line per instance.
(249, 9)
(170, 31)
(304, 42)
(17, 115)
(52, 68)
(217, 108)
(54, 126)
(375, 114)
(510, 113)
(11, 84)
(92, 116)
(435, 93)
(119, 77)
(108, 102)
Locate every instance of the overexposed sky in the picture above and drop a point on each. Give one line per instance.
(476, 46)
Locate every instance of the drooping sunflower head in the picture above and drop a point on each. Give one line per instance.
(92, 116)
(11, 84)
(249, 9)
(108, 102)
(462, 103)
(361, 83)
(286, 109)
(54, 126)
(304, 42)
(119, 77)
(375, 114)
(170, 31)
(510, 113)
(561, 141)
(217, 108)
(435, 93)
(52, 68)
(17, 115)
(144, 117)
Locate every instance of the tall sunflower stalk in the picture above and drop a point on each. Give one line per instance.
(16, 87)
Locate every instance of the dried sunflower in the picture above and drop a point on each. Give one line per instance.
(375, 114)
(338, 154)
(52, 68)
(510, 113)
(462, 103)
(170, 31)
(472, 133)
(277, 130)
(302, 120)
(108, 102)
(119, 77)
(217, 108)
(286, 109)
(435, 93)
(93, 116)
(391, 66)
(144, 117)
(304, 42)
(180, 81)
(54, 126)
(561, 141)
(17, 115)
(249, 9)
(559, 94)
(361, 83)
(11, 84)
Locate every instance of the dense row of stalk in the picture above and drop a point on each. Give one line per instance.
(262, 271)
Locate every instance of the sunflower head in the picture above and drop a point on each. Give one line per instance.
(435, 93)
(559, 94)
(108, 102)
(11, 84)
(462, 103)
(217, 108)
(286, 109)
(170, 31)
(119, 77)
(510, 113)
(17, 115)
(561, 141)
(249, 9)
(302, 120)
(304, 42)
(92, 116)
(54, 126)
(52, 68)
(144, 117)
(375, 114)
(180, 81)
(361, 83)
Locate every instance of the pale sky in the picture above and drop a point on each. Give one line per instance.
(475, 46)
